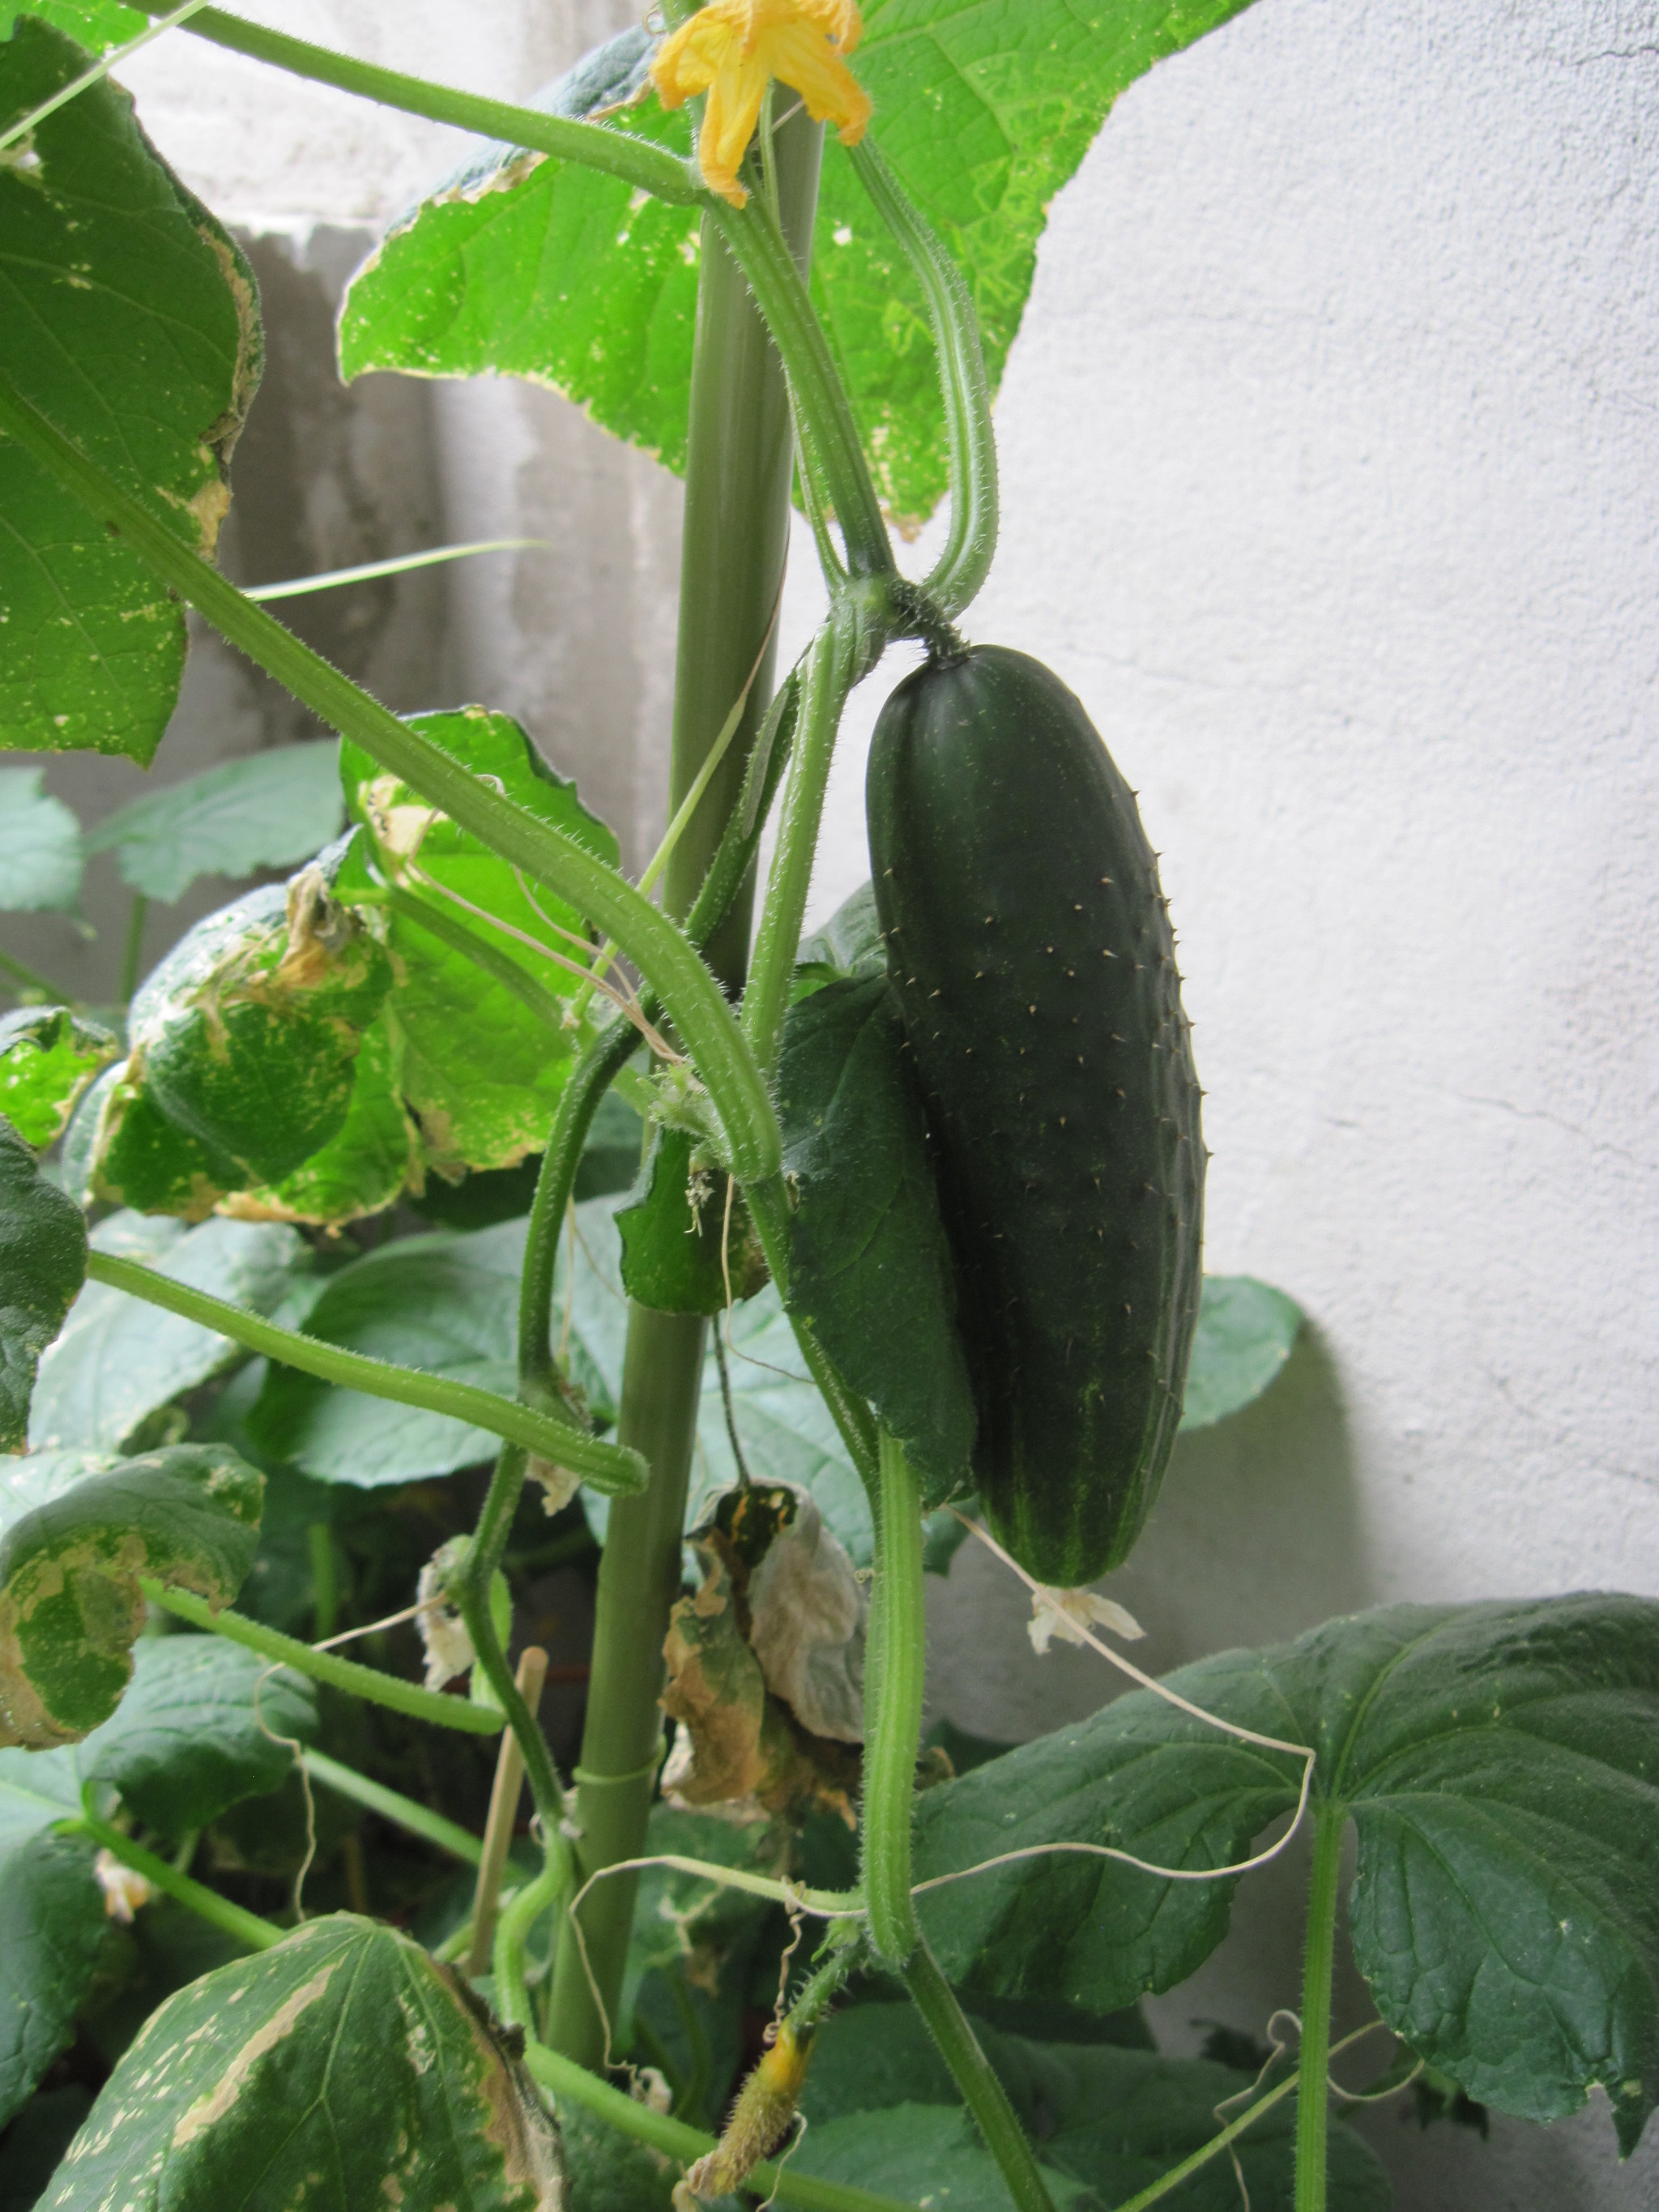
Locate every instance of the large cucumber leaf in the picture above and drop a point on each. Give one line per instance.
(270, 809)
(43, 1263)
(531, 267)
(70, 1602)
(118, 1360)
(373, 1156)
(481, 1071)
(1113, 2119)
(41, 846)
(51, 1931)
(235, 2085)
(1500, 1763)
(129, 317)
(870, 1267)
(47, 1058)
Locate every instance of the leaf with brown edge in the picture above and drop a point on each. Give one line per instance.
(43, 1263)
(48, 1056)
(71, 1601)
(234, 2092)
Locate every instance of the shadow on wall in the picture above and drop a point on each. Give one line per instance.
(1255, 1536)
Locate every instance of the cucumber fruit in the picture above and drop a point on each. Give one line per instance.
(1029, 943)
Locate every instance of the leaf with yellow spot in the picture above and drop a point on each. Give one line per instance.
(47, 1058)
(71, 1605)
(43, 1263)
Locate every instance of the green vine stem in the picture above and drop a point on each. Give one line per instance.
(647, 167)
(739, 450)
(247, 1928)
(686, 2145)
(1313, 2105)
(895, 1663)
(469, 1591)
(647, 937)
(391, 1805)
(972, 542)
(607, 1466)
(368, 1683)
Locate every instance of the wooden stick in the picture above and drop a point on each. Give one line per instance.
(503, 1812)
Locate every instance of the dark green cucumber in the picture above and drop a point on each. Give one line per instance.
(1030, 945)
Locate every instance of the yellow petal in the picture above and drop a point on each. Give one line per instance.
(728, 123)
(802, 57)
(688, 60)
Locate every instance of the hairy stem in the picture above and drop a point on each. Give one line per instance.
(499, 965)
(649, 938)
(207, 1904)
(984, 2096)
(607, 1466)
(365, 1682)
(1313, 2103)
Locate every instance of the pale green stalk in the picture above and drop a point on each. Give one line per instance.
(1313, 2104)
(247, 1928)
(390, 1804)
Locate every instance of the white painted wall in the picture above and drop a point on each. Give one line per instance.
(1331, 459)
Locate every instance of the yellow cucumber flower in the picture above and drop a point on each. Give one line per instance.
(730, 47)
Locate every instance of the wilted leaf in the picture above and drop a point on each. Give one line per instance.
(481, 1071)
(197, 1731)
(234, 2093)
(43, 1263)
(47, 1058)
(1501, 1764)
(870, 1265)
(40, 844)
(52, 1929)
(118, 1359)
(1244, 1335)
(246, 1035)
(532, 267)
(70, 1606)
(268, 810)
(679, 1258)
(106, 261)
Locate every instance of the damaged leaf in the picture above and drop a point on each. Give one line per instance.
(108, 262)
(372, 1158)
(236, 2080)
(70, 1604)
(43, 1263)
(47, 1058)
(51, 1931)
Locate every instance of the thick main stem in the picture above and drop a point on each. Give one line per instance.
(735, 541)
(1313, 2103)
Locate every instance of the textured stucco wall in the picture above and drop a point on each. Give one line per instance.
(1330, 453)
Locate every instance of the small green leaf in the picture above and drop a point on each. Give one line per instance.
(1245, 1333)
(246, 1035)
(43, 1263)
(870, 1267)
(106, 261)
(481, 1071)
(39, 847)
(118, 1360)
(270, 809)
(849, 946)
(678, 1260)
(52, 1931)
(239, 2076)
(47, 1058)
(70, 1605)
(446, 1303)
(201, 1727)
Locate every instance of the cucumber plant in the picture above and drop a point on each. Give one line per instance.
(451, 1183)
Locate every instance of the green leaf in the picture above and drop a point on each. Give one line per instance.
(530, 267)
(1501, 1764)
(43, 1263)
(482, 1073)
(107, 263)
(121, 1146)
(849, 946)
(1113, 2119)
(70, 1605)
(371, 1160)
(40, 841)
(1245, 1333)
(36, 1789)
(870, 1267)
(246, 1035)
(97, 25)
(233, 2094)
(920, 2153)
(199, 1728)
(681, 1261)
(52, 1931)
(611, 2172)
(47, 1058)
(118, 1360)
(271, 809)
(612, 1156)
(446, 1303)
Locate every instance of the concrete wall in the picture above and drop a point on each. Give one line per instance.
(1329, 451)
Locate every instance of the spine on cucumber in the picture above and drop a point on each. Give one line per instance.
(1029, 943)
